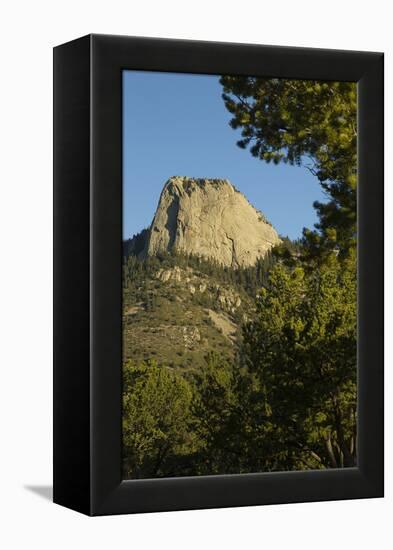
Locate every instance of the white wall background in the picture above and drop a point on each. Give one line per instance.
(28, 31)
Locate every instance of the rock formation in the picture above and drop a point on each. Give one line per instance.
(209, 218)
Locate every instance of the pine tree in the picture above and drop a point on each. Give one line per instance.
(304, 122)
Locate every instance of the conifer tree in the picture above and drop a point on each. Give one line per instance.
(310, 123)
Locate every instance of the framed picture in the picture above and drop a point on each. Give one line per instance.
(218, 275)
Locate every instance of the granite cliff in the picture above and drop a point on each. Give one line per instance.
(208, 218)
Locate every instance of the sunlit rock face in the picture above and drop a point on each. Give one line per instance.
(209, 218)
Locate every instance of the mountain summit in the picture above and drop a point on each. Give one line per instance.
(209, 218)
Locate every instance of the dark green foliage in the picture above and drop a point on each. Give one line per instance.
(304, 122)
(287, 403)
(212, 408)
(156, 420)
(136, 244)
(136, 270)
(301, 348)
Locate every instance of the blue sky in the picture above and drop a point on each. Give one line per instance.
(177, 124)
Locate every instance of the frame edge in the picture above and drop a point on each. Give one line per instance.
(71, 272)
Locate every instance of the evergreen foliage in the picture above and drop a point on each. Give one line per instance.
(137, 270)
(301, 349)
(156, 419)
(287, 403)
(304, 122)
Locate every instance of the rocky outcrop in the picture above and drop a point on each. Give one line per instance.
(196, 284)
(209, 218)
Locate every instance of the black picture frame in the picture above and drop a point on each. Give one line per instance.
(87, 275)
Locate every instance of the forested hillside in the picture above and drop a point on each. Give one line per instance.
(179, 308)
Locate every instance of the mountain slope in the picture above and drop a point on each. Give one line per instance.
(190, 280)
(177, 314)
